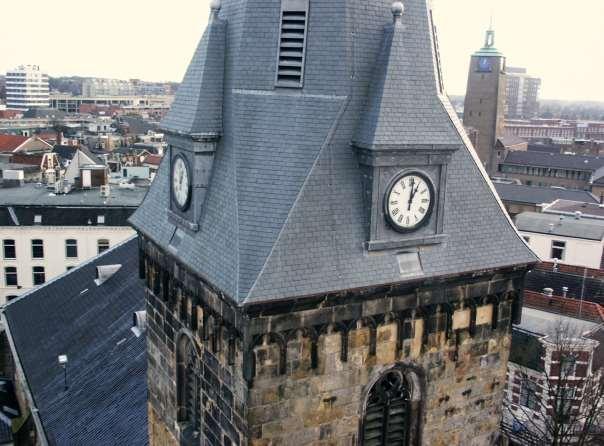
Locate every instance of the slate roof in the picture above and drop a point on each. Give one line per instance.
(520, 193)
(64, 216)
(554, 160)
(405, 101)
(106, 403)
(590, 288)
(285, 213)
(553, 224)
(197, 106)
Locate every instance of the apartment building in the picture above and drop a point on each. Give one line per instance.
(26, 87)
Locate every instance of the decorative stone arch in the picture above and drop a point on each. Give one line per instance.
(392, 407)
(188, 396)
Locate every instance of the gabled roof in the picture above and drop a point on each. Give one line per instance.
(405, 103)
(10, 143)
(106, 399)
(285, 212)
(197, 106)
(554, 160)
(520, 193)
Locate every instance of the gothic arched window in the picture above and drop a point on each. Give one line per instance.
(387, 419)
(189, 404)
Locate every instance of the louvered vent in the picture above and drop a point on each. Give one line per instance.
(292, 43)
(387, 413)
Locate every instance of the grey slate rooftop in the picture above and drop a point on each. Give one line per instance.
(106, 402)
(31, 194)
(560, 225)
(554, 160)
(520, 193)
(285, 214)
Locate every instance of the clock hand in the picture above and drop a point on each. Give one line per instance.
(411, 194)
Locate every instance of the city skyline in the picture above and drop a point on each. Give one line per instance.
(568, 62)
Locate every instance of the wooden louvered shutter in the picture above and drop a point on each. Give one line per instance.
(192, 402)
(292, 43)
(386, 419)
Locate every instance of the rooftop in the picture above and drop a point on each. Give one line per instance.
(569, 207)
(106, 399)
(31, 194)
(521, 193)
(560, 225)
(9, 143)
(554, 160)
(545, 323)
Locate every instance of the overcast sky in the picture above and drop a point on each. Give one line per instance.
(558, 40)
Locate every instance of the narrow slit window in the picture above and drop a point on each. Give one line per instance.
(292, 43)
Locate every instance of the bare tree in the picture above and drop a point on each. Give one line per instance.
(561, 400)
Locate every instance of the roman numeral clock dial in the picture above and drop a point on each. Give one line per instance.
(409, 201)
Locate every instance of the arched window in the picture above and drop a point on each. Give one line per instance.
(388, 412)
(189, 404)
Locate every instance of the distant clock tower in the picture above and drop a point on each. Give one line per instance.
(485, 102)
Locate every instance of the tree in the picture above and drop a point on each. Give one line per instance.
(561, 398)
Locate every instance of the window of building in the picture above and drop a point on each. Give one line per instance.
(292, 43)
(37, 219)
(100, 219)
(10, 251)
(568, 365)
(188, 395)
(71, 248)
(39, 275)
(387, 418)
(102, 245)
(37, 249)
(11, 297)
(10, 276)
(558, 249)
(528, 394)
(69, 268)
(564, 401)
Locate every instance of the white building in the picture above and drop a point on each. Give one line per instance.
(42, 235)
(26, 87)
(522, 94)
(573, 240)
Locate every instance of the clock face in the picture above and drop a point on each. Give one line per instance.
(181, 182)
(484, 64)
(409, 201)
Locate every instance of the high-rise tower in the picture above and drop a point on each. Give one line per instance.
(325, 261)
(484, 109)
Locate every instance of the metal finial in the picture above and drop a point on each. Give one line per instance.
(397, 10)
(215, 5)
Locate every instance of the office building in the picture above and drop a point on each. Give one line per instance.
(522, 94)
(26, 87)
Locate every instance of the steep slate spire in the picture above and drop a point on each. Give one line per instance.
(405, 104)
(197, 107)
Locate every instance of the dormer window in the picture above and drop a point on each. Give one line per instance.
(292, 43)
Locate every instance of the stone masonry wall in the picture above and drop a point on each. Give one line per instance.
(464, 380)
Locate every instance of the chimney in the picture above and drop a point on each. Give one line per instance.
(564, 291)
(105, 272)
(578, 215)
(549, 292)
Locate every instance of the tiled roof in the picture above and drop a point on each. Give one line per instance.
(575, 308)
(106, 399)
(583, 228)
(520, 193)
(581, 283)
(9, 143)
(153, 159)
(285, 214)
(554, 160)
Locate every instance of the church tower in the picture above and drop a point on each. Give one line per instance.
(484, 109)
(325, 260)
